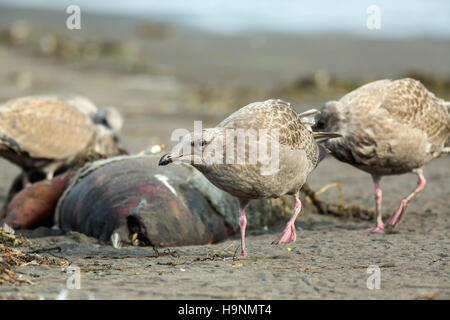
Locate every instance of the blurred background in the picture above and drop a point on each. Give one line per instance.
(164, 64)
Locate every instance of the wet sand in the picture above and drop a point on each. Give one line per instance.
(327, 261)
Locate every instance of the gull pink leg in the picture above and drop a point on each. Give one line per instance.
(25, 180)
(288, 234)
(379, 228)
(49, 175)
(242, 225)
(397, 216)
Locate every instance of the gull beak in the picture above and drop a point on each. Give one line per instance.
(165, 160)
(122, 151)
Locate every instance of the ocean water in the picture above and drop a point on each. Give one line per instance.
(413, 18)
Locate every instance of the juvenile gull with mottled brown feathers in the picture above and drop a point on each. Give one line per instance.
(42, 134)
(388, 127)
(106, 116)
(298, 154)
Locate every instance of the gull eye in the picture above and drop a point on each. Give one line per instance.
(320, 124)
(192, 143)
(203, 142)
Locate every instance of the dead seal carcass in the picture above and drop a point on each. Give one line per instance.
(33, 206)
(130, 198)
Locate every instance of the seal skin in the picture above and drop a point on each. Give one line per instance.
(34, 205)
(132, 195)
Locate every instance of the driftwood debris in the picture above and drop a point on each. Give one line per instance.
(12, 257)
(338, 210)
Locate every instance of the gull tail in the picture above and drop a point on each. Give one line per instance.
(324, 136)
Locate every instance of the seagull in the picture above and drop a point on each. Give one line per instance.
(263, 150)
(43, 134)
(107, 116)
(388, 127)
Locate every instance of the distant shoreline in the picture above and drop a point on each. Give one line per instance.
(235, 27)
(264, 61)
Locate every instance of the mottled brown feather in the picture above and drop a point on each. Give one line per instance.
(408, 101)
(388, 126)
(45, 127)
(275, 114)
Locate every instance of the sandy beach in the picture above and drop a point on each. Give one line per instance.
(163, 81)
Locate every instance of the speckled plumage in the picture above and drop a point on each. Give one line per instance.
(388, 127)
(41, 133)
(106, 116)
(81, 103)
(275, 114)
(298, 154)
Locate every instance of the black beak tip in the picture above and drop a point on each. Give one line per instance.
(165, 160)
